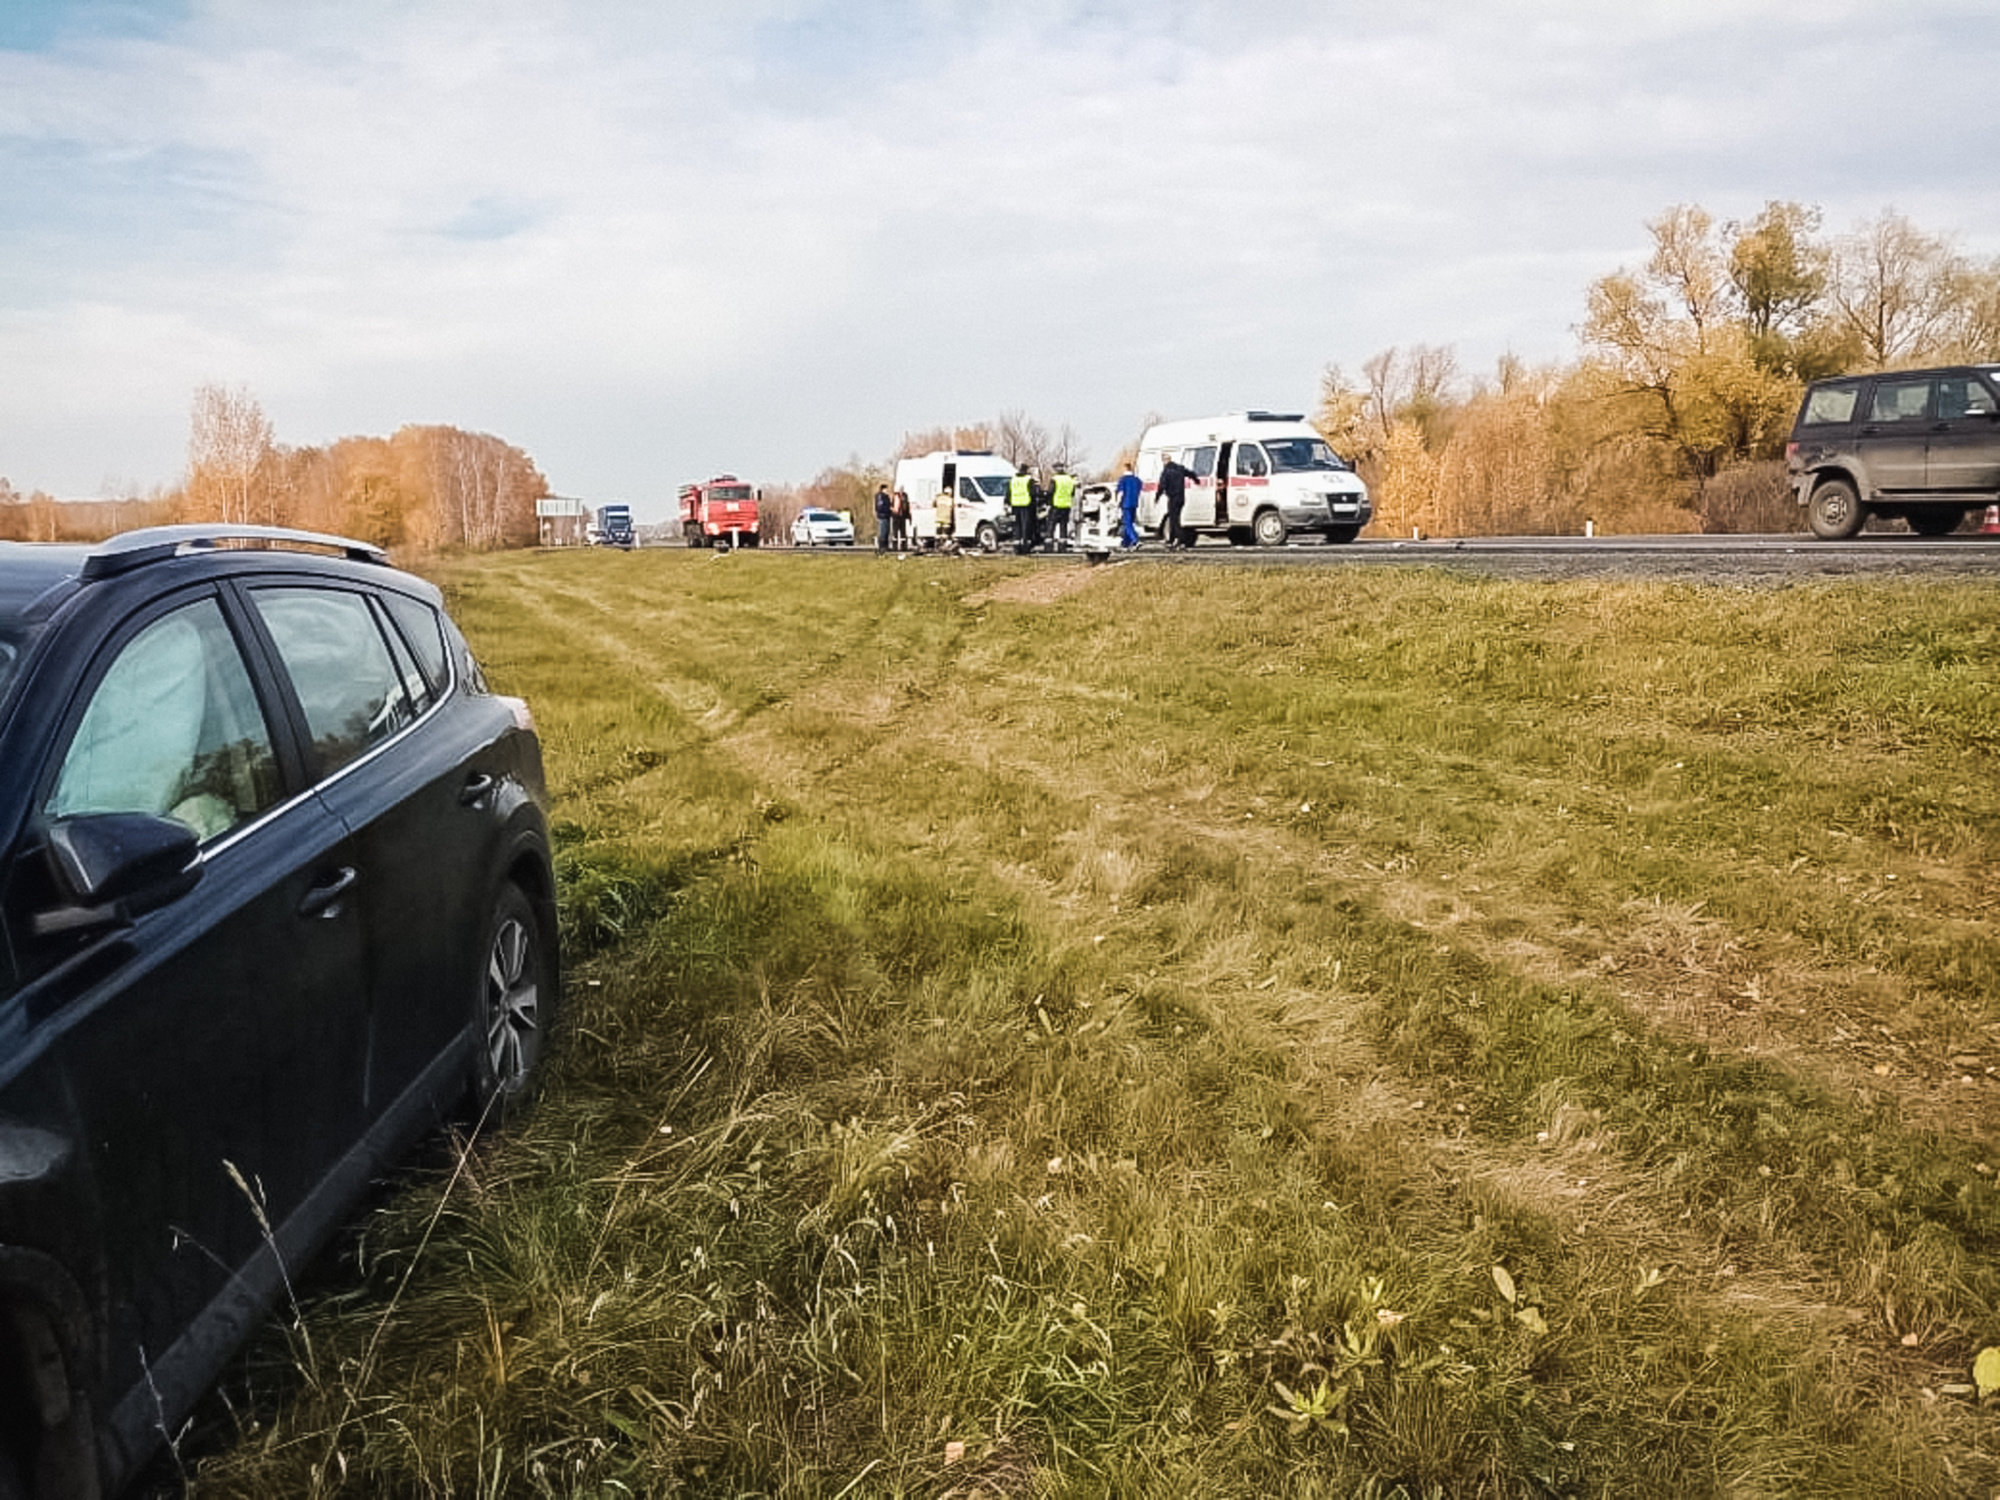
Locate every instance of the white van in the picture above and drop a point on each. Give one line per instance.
(976, 480)
(1258, 477)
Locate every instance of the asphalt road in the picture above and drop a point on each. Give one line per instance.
(1733, 558)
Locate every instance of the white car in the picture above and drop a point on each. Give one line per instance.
(822, 528)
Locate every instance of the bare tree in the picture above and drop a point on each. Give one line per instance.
(1979, 313)
(1896, 289)
(1687, 264)
(943, 439)
(1068, 453)
(229, 446)
(1023, 441)
(1413, 387)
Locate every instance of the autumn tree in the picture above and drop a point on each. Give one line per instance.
(848, 488)
(1898, 291)
(1677, 348)
(1499, 473)
(229, 444)
(1780, 270)
(1979, 313)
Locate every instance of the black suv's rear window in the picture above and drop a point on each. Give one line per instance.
(1830, 403)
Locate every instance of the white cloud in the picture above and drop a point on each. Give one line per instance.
(648, 243)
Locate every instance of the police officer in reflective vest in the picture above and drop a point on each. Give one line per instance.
(1061, 506)
(1021, 501)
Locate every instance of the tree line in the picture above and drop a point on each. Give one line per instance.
(1675, 412)
(1672, 416)
(425, 489)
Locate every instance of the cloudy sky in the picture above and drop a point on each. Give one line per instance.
(651, 239)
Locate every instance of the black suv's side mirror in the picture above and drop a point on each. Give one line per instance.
(111, 867)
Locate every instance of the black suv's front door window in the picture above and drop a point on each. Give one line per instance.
(348, 687)
(1963, 396)
(172, 729)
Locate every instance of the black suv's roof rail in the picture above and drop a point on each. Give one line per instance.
(150, 544)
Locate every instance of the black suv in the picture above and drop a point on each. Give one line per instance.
(1920, 444)
(275, 899)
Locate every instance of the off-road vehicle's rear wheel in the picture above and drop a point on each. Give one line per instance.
(1835, 512)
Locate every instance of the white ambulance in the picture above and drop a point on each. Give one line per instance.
(976, 480)
(1258, 476)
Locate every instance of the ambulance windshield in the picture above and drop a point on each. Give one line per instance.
(1301, 455)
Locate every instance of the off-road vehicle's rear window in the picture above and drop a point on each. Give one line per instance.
(1830, 404)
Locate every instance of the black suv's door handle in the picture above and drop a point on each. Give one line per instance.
(324, 900)
(478, 787)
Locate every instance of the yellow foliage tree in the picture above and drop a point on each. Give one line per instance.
(427, 488)
(1406, 489)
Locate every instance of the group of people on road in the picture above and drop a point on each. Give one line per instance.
(1033, 500)
(896, 528)
(1173, 482)
(1043, 511)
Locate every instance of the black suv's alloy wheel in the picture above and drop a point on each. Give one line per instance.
(514, 1003)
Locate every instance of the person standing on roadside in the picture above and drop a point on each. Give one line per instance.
(1021, 501)
(883, 522)
(1128, 507)
(899, 512)
(947, 537)
(1173, 489)
(1062, 501)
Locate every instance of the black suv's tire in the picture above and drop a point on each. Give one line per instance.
(516, 1001)
(1935, 520)
(1835, 512)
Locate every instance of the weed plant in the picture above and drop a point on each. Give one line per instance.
(1237, 1032)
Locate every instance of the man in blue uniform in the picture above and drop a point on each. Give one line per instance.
(1128, 507)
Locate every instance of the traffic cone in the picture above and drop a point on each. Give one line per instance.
(1991, 525)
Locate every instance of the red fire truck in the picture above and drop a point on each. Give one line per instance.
(719, 512)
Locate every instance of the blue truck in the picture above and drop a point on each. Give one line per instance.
(614, 526)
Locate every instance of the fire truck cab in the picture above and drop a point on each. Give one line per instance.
(719, 512)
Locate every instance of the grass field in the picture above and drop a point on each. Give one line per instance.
(1225, 1032)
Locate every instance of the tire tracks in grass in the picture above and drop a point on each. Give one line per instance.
(1582, 1182)
(961, 712)
(1798, 1279)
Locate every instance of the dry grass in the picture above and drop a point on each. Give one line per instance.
(1048, 1031)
